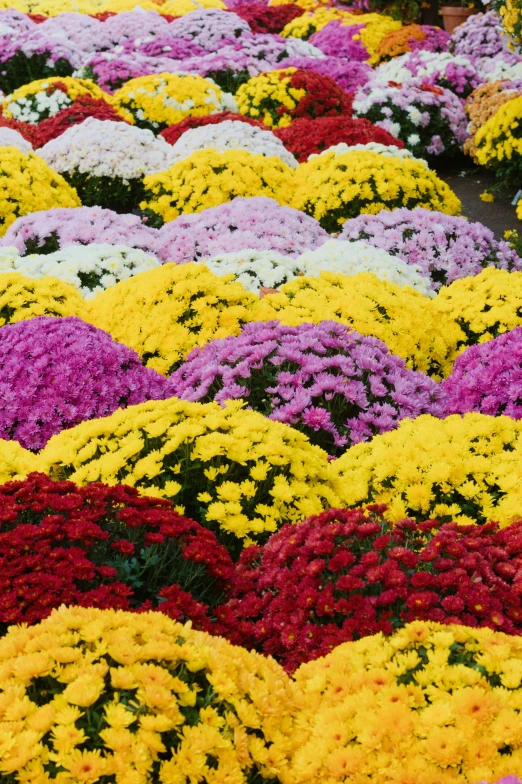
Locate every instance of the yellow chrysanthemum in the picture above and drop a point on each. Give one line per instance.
(208, 178)
(465, 468)
(333, 187)
(28, 184)
(166, 312)
(204, 458)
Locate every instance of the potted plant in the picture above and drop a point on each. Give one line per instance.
(453, 15)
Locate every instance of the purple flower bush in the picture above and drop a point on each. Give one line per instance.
(436, 40)
(479, 36)
(488, 378)
(326, 380)
(335, 39)
(32, 56)
(85, 33)
(429, 120)
(210, 28)
(445, 248)
(229, 68)
(134, 24)
(348, 75)
(165, 46)
(258, 223)
(16, 20)
(110, 71)
(455, 72)
(50, 230)
(59, 372)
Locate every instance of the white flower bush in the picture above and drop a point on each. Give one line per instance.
(90, 268)
(255, 269)
(352, 258)
(38, 106)
(492, 69)
(11, 138)
(232, 135)
(102, 148)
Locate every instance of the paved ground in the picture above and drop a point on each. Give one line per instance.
(470, 181)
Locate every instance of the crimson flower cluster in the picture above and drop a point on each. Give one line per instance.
(346, 574)
(323, 98)
(305, 137)
(268, 19)
(173, 132)
(84, 106)
(106, 547)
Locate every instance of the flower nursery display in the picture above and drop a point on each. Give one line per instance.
(261, 393)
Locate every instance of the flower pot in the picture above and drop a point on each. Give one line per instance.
(453, 16)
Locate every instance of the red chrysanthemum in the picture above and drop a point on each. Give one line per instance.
(83, 107)
(268, 19)
(307, 137)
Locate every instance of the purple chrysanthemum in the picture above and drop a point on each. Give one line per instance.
(258, 223)
(488, 378)
(58, 372)
(330, 382)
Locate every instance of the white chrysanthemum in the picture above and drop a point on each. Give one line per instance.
(254, 268)
(11, 138)
(38, 106)
(102, 148)
(296, 47)
(232, 135)
(491, 70)
(383, 149)
(396, 69)
(352, 258)
(90, 268)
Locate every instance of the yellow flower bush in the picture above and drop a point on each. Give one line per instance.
(27, 184)
(431, 703)
(308, 24)
(166, 312)
(233, 470)
(399, 316)
(265, 97)
(376, 28)
(15, 462)
(97, 694)
(484, 305)
(23, 298)
(182, 7)
(208, 178)
(76, 88)
(464, 468)
(160, 100)
(498, 142)
(333, 187)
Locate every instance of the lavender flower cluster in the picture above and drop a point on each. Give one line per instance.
(333, 384)
(259, 223)
(479, 36)
(59, 372)
(444, 247)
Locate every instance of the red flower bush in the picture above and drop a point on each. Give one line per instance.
(268, 19)
(83, 107)
(346, 574)
(324, 97)
(173, 132)
(307, 137)
(105, 547)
